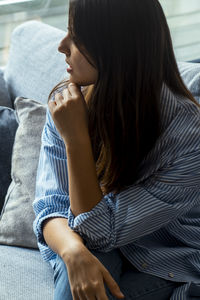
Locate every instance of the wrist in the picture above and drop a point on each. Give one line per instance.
(72, 251)
(78, 142)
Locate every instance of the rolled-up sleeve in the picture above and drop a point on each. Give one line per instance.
(51, 194)
(142, 208)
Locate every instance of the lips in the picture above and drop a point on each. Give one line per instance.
(68, 64)
(69, 69)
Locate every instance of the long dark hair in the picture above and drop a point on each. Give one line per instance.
(130, 43)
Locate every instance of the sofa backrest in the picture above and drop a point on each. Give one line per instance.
(35, 66)
(190, 72)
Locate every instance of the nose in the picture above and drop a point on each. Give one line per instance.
(63, 47)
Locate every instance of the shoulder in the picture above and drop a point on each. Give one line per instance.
(180, 135)
(177, 111)
(180, 125)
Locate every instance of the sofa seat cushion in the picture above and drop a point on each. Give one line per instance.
(24, 275)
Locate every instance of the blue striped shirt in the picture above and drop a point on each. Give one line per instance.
(156, 221)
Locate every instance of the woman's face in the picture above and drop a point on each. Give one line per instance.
(80, 70)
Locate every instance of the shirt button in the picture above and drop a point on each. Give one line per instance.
(144, 265)
(171, 275)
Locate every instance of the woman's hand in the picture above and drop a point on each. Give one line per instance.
(87, 276)
(69, 113)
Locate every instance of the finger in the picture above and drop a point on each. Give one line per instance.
(83, 296)
(58, 98)
(74, 89)
(102, 294)
(51, 106)
(51, 103)
(66, 94)
(101, 297)
(75, 296)
(112, 284)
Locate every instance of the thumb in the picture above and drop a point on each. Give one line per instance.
(51, 106)
(111, 284)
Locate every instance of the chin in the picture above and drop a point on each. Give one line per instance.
(81, 82)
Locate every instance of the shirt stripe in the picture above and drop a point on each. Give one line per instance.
(155, 222)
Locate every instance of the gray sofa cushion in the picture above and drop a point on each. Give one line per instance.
(35, 66)
(4, 94)
(16, 222)
(24, 275)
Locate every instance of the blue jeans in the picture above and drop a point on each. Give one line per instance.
(133, 283)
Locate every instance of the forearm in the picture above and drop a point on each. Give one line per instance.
(60, 238)
(84, 189)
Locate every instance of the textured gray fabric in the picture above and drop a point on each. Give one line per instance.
(35, 66)
(24, 275)
(190, 72)
(4, 94)
(17, 214)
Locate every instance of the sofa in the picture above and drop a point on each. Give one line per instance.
(33, 69)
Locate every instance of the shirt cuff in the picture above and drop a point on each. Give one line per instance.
(46, 213)
(96, 227)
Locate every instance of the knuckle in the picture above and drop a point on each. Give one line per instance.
(65, 92)
(96, 285)
(57, 95)
(86, 288)
(75, 289)
(76, 97)
(78, 289)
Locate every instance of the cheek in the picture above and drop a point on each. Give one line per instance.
(87, 67)
(82, 62)
(83, 69)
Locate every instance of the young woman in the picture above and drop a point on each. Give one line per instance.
(118, 185)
